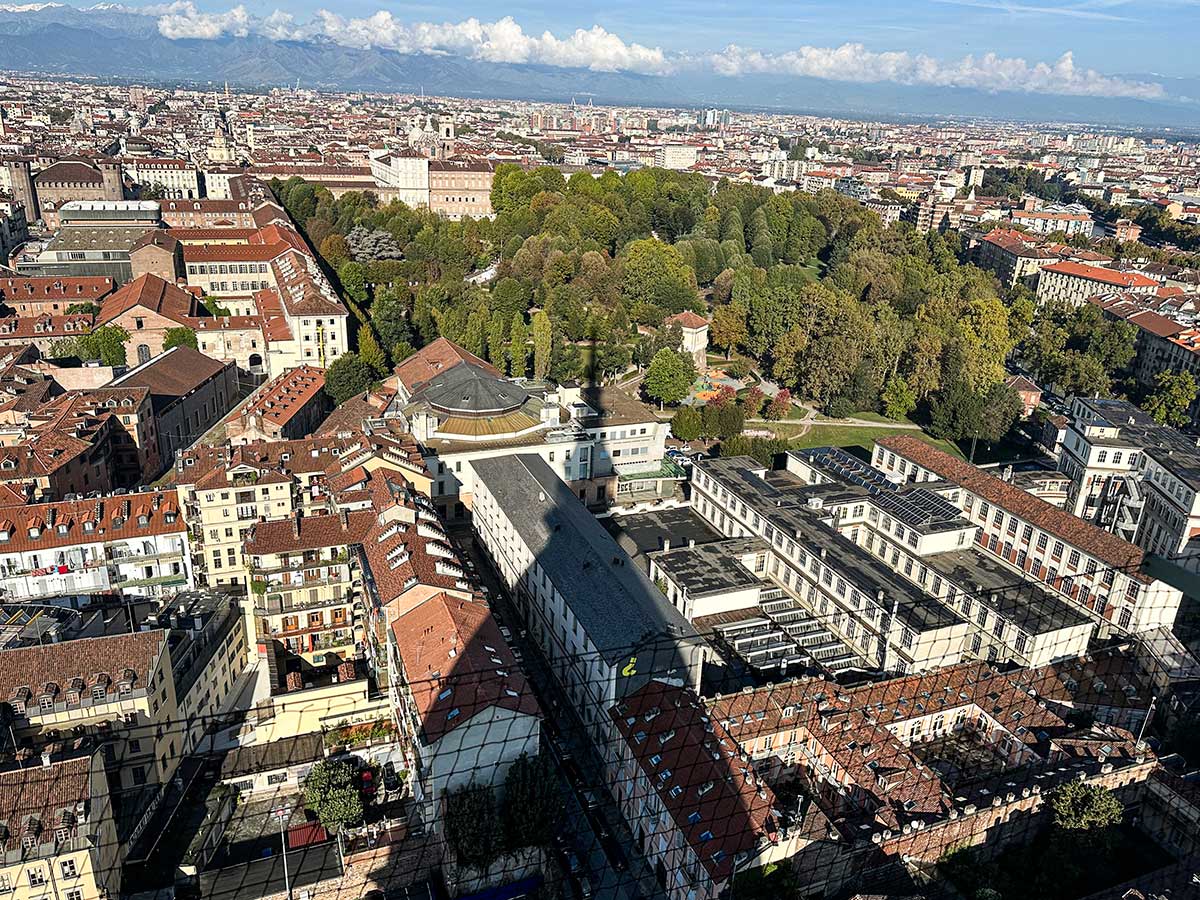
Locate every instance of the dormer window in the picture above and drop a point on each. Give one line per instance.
(143, 520)
(4, 535)
(89, 527)
(62, 528)
(46, 702)
(99, 692)
(34, 532)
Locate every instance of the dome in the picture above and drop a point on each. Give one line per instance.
(468, 390)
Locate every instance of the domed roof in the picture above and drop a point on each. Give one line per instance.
(468, 390)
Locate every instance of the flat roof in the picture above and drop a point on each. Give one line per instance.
(1028, 604)
(615, 602)
(708, 569)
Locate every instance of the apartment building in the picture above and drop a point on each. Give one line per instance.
(189, 394)
(147, 309)
(459, 697)
(1072, 283)
(1068, 222)
(50, 295)
(61, 837)
(288, 407)
(1075, 560)
(226, 490)
(136, 543)
(697, 810)
(864, 754)
(600, 622)
(1134, 477)
(302, 572)
(174, 178)
(1012, 256)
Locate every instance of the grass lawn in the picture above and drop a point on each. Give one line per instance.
(848, 436)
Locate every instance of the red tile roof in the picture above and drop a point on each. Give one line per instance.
(1100, 274)
(457, 665)
(309, 533)
(66, 523)
(719, 804)
(688, 319)
(1106, 547)
(152, 293)
(433, 359)
(118, 656)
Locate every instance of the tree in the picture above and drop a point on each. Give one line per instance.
(685, 424)
(1083, 807)
(730, 421)
(401, 352)
(389, 316)
(518, 347)
(543, 338)
(532, 812)
(670, 376)
(106, 344)
(347, 377)
(331, 792)
(371, 353)
(87, 308)
(728, 327)
(753, 402)
(1172, 397)
(472, 826)
(354, 281)
(655, 273)
(779, 406)
(179, 337)
(899, 399)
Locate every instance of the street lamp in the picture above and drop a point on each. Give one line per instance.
(282, 813)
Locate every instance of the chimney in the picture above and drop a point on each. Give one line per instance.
(666, 543)
(345, 519)
(296, 526)
(45, 759)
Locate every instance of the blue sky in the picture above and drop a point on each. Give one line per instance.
(1110, 35)
(1093, 48)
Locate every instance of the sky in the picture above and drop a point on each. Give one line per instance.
(1120, 48)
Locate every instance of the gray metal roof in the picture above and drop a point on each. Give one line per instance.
(467, 389)
(617, 605)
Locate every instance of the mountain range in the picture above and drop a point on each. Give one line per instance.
(109, 41)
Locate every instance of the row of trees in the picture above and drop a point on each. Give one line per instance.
(529, 813)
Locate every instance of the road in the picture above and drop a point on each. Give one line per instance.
(563, 730)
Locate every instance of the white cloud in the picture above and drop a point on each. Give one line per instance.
(183, 20)
(595, 48)
(854, 62)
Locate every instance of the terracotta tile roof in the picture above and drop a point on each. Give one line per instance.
(457, 664)
(66, 523)
(284, 396)
(152, 293)
(309, 533)
(118, 656)
(1106, 547)
(1101, 274)
(719, 804)
(50, 287)
(433, 359)
(688, 319)
(41, 799)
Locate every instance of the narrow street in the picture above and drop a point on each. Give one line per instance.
(615, 867)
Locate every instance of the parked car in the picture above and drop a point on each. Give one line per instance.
(614, 852)
(584, 887)
(573, 863)
(507, 634)
(590, 800)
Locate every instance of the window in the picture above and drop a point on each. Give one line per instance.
(68, 868)
(37, 876)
